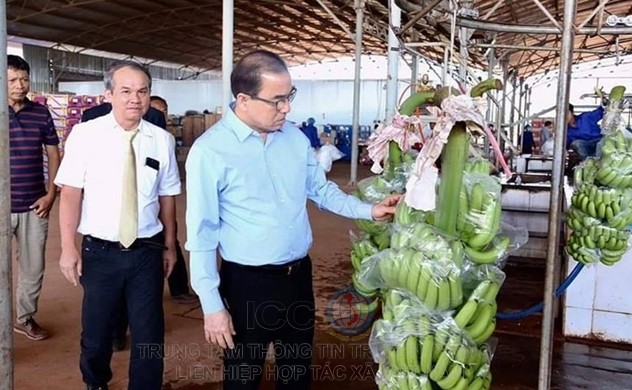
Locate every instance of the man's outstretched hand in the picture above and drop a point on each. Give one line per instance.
(386, 208)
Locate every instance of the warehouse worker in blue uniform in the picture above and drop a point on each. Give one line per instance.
(311, 133)
(583, 131)
(248, 182)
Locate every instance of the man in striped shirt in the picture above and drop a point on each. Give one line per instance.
(30, 127)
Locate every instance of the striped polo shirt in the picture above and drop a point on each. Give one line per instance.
(29, 129)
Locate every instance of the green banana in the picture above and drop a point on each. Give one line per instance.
(491, 327)
(425, 277)
(462, 384)
(482, 321)
(405, 264)
(489, 256)
(477, 197)
(391, 357)
(425, 360)
(402, 362)
(431, 300)
(402, 381)
(476, 384)
(439, 369)
(451, 379)
(443, 300)
(440, 340)
(412, 354)
(466, 313)
(414, 273)
(456, 291)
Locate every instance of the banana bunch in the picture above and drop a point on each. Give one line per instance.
(605, 204)
(598, 216)
(479, 165)
(389, 379)
(615, 167)
(478, 223)
(422, 237)
(360, 250)
(412, 339)
(586, 172)
(477, 316)
(378, 232)
(436, 283)
(478, 220)
(406, 215)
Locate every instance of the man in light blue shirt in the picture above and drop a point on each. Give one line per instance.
(248, 181)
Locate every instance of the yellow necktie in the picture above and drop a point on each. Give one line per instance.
(128, 225)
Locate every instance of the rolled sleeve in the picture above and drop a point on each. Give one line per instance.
(73, 166)
(170, 185)
(328, 196)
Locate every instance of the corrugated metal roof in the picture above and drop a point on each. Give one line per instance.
(189, 32)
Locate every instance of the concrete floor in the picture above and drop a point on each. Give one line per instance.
(340, 362)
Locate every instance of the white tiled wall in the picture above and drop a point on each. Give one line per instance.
(598, 303)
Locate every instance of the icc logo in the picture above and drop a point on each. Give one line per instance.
(345, 315)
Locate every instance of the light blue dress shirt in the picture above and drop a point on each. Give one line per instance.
(248, 199)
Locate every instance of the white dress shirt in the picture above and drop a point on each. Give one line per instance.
(93, 161)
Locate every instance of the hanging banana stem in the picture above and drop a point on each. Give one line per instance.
(453, 161)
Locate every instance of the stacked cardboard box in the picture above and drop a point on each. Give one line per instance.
(66, 110)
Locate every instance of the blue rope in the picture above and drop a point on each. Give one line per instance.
(518, 315)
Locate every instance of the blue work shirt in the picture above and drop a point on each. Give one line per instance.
(586, 127)
(311, 133)
(248, 198)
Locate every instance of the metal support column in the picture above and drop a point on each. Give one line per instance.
(500, 119)
(227, 52)
(491, 62)
(513, 131)
(463, 38)
(414, 67)
(557, 192)
(359, 8)
(395, 18)
(6, 315)
(520, 99)
(444, 68)
(527, 105)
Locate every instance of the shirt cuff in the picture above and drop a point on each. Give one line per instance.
(364, 211)
(211, 302)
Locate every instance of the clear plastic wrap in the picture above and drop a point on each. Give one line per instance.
(425, 343)
(479, 215)
(615, 166)
(612, 120)
(598, 218)
(509, 239)
(423, 238)
(406, 215)
(388, 378)
(437, 283)
(362, 247)
(375, 188)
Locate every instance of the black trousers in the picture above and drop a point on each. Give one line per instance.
(178, 283)
(111, 276)
(269, 306)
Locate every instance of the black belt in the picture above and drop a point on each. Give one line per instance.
(280, 269)
(151, 242)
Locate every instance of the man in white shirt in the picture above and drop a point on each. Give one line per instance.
(119, 179)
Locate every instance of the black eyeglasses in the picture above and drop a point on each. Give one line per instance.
(278, 103)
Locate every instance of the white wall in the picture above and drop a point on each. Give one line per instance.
(326, 101)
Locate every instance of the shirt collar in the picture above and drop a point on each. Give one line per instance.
(240, 128)
(142, 127)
